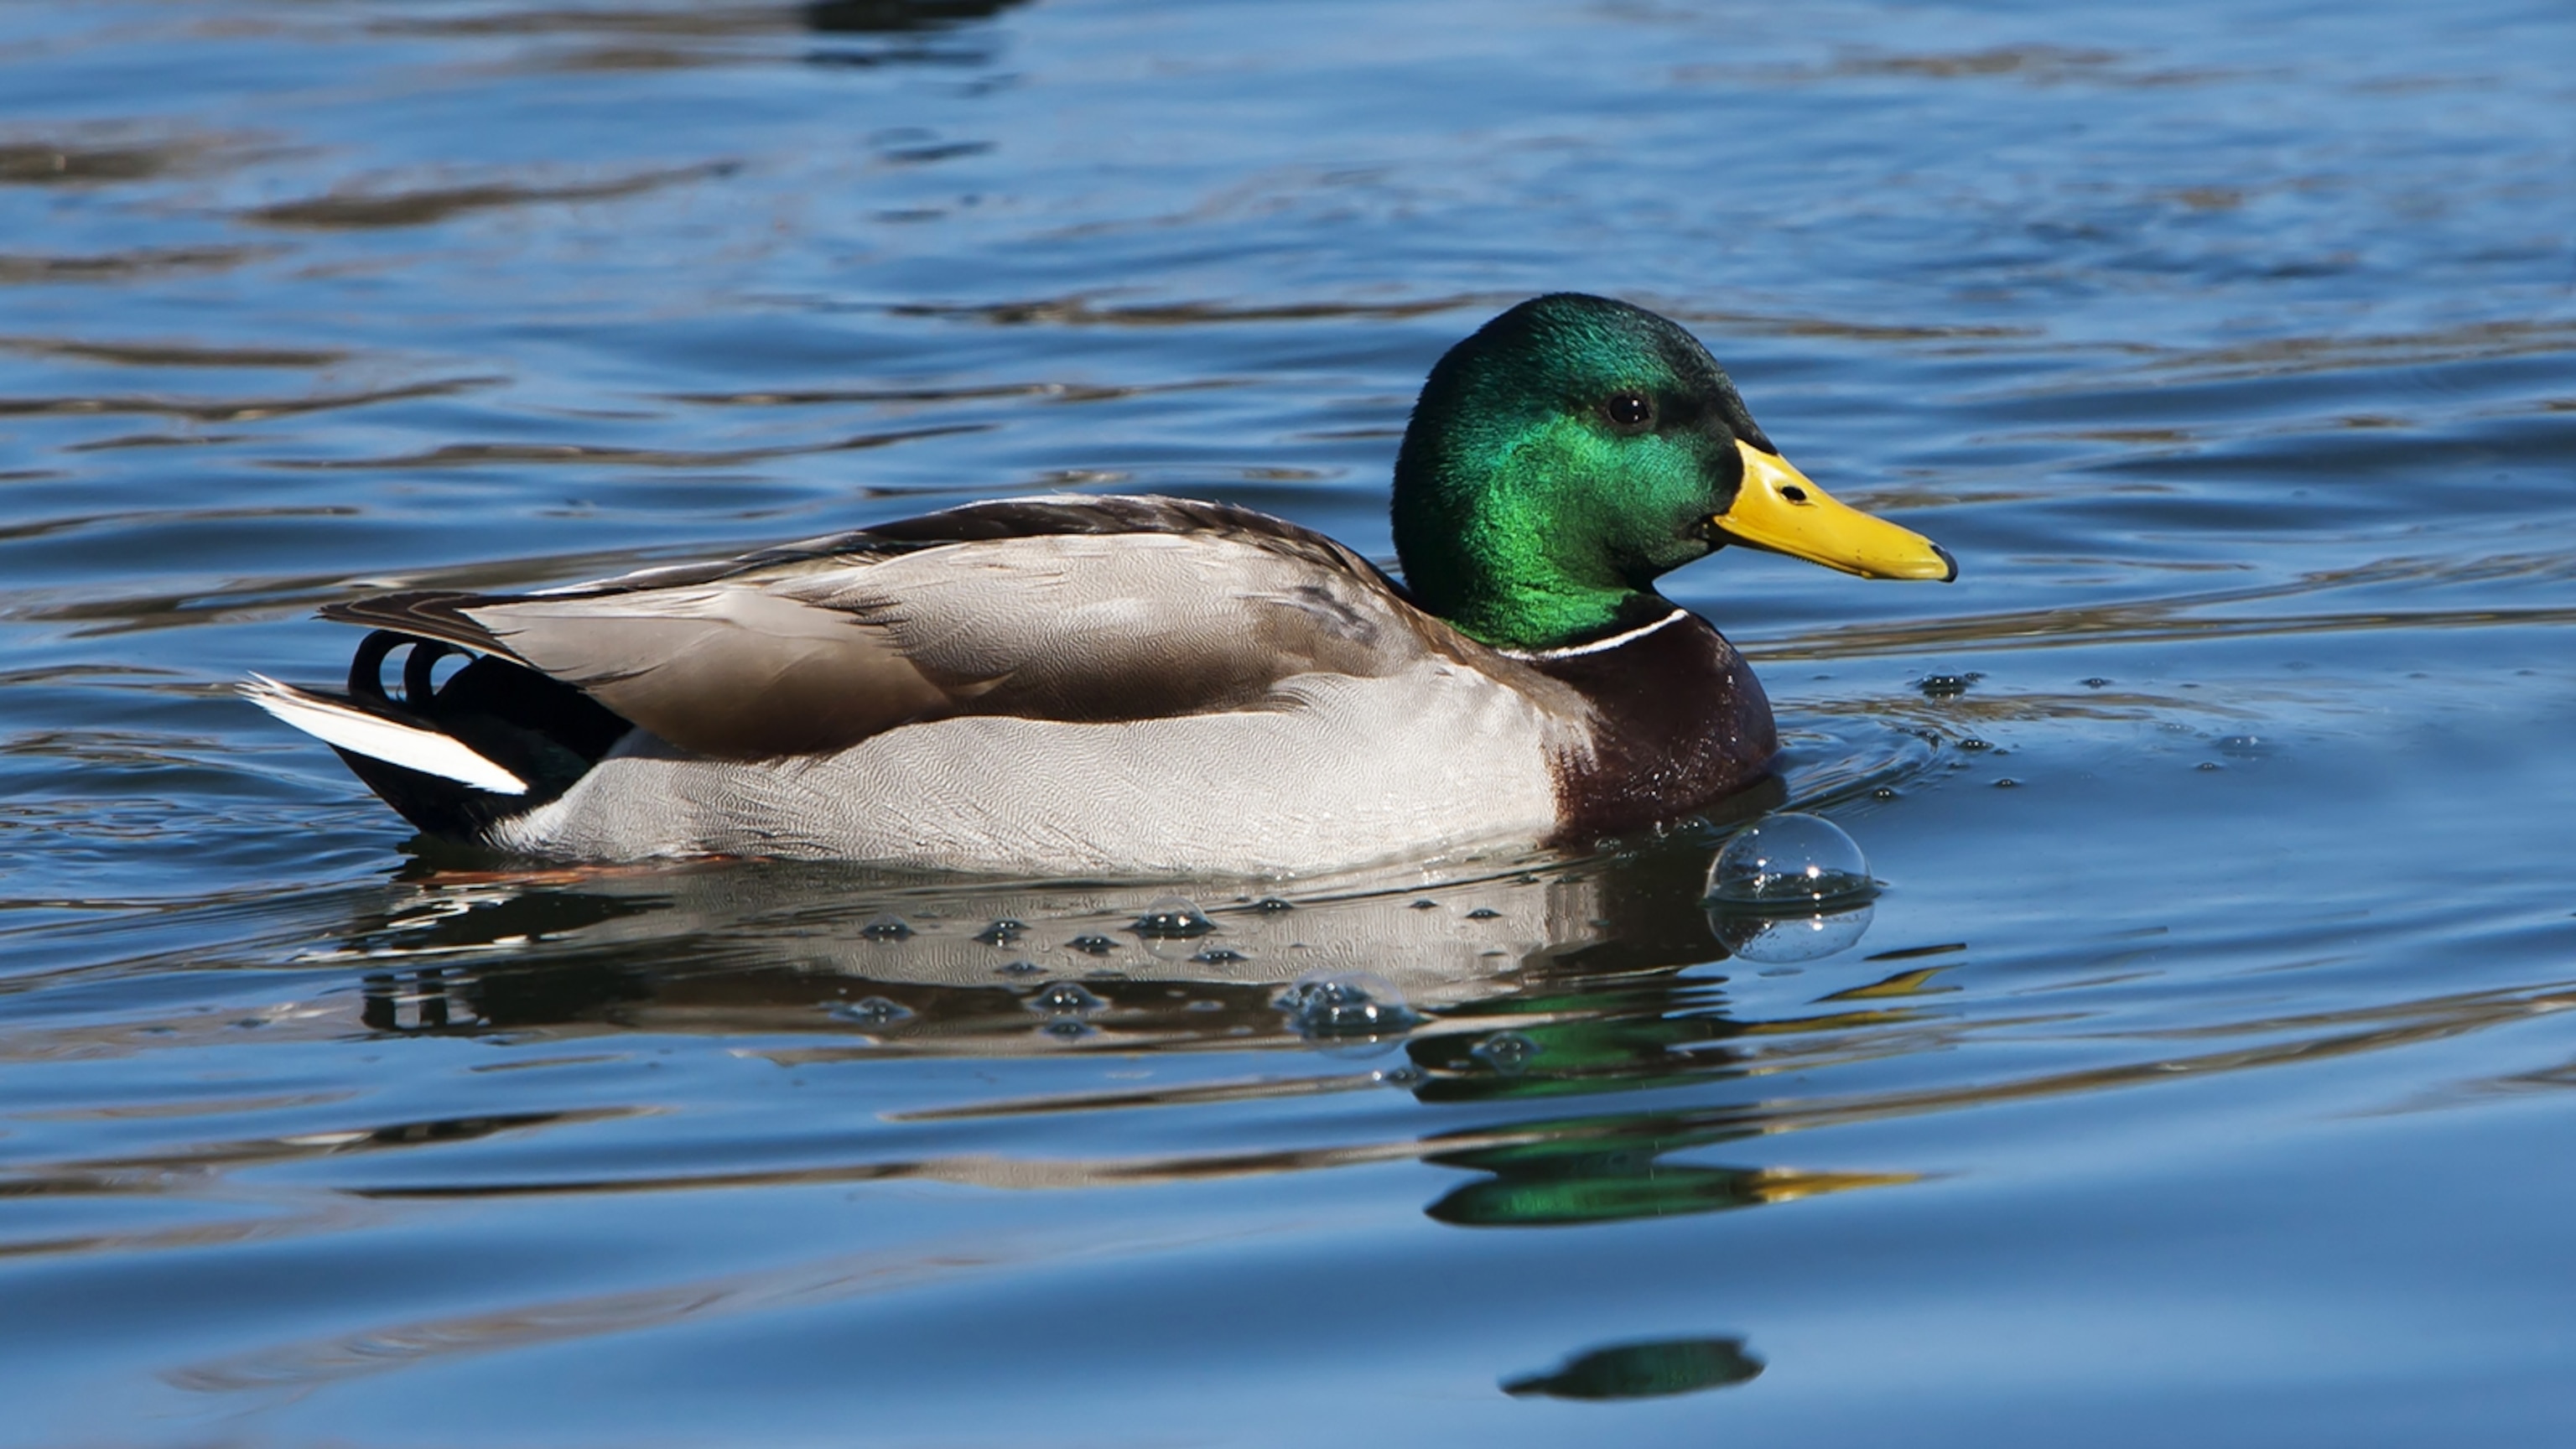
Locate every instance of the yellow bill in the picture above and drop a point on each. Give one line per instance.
(1779, 510)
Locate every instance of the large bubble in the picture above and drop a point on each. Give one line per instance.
(1789, 887)
(1790, 861)
(1775, 939)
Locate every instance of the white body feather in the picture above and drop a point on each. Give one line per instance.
(1432, 758)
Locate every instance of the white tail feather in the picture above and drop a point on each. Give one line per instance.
(362, 733)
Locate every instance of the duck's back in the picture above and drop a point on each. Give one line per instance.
(1093, 685)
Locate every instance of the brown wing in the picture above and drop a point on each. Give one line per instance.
(1076, 609)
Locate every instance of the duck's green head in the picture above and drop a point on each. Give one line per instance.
(1577, 448)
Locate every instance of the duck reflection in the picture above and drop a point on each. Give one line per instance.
(1612, 1169)
(1509, 987)
(1643, 1370)
(1509, 990)
(1534, 977)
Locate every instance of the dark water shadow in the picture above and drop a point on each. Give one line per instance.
(70, 163)
(174, 354)
(849, 34)
(37, 268)
(897, 17)
(475, 455)
(370, 208)
(229, 410)
(1652, 1370)
(1085, 311)
(829, 17)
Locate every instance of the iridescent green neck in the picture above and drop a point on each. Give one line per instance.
(1508, 556)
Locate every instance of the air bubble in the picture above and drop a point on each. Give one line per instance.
(1092, 944)
(1002, 932)
(1484, 913)
(1789, 887)
(1507, 1052)
(1779, 939)
(1219, 956)
(871, 1011)
(887, 927)
(1065, 998)
(1172, 918)
(1346, 1004)
(1789, 860)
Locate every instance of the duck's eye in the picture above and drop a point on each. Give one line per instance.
(1629, 410)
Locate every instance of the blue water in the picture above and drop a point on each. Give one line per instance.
(2198, 1075)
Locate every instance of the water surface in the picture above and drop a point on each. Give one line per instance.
(2198, 1074)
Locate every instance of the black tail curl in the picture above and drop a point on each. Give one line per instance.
(542, 730)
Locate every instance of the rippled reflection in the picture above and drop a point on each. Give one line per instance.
(1507, 991)
(1504, 988)
(734, 948)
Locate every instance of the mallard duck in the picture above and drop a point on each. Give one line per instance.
(1125, 686)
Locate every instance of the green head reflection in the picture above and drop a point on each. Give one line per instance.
(1643, 1371)
(1615, 1169)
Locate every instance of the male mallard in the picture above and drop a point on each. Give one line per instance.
(1125, 686)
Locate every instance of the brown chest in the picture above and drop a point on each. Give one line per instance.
(1679, 721)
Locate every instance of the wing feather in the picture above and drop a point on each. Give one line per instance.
(1069, 609)
(423, 613)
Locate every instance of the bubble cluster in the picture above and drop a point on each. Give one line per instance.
(1346, 1004)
